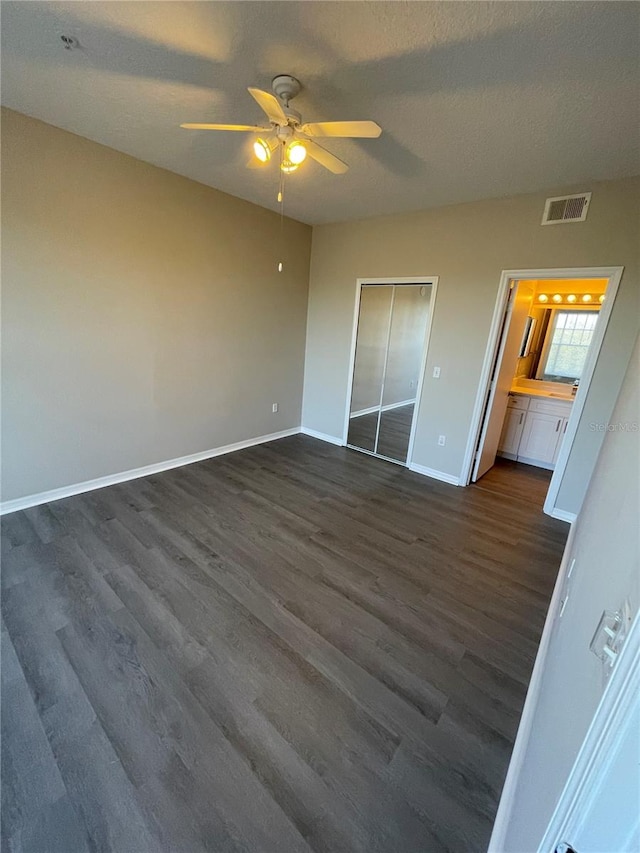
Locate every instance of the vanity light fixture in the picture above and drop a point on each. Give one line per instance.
(571, 297)
(586, 297)
(543, 297)
(557, 297)
(601, 298)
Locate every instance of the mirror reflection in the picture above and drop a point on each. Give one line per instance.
(392, 324)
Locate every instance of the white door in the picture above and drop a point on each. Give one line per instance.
(504, 371)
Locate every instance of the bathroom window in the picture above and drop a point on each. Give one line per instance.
(567, 344)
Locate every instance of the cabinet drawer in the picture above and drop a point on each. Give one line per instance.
(518, 401)
(561, 408)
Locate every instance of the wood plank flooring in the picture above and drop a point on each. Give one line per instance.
(395, 430)
(294, 647)
(393, 437)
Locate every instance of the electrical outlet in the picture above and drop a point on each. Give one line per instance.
(274, 408)
(436, 375)
(442, 440)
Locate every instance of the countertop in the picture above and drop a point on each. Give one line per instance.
(542, 392)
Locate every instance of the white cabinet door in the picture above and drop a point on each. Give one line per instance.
(512, 432)
(563, 429)
(540, 437)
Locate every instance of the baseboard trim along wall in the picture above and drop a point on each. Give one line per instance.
(386, 408)
(322, 436)
(563, 515)
(436, 475)
(7, 507)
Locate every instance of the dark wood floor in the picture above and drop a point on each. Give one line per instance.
(293, 647)
(393, 437)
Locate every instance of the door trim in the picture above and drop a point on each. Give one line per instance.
(360, 282)
(605, 732)
(614, 275)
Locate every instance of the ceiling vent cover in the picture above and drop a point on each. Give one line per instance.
(567, 208)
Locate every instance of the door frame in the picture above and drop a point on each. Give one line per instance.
(605, 733)
(391, 280)
(614, 275)
(604, 723)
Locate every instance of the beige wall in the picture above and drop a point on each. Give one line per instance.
(143, 315)
(606, 549)
(468, 246)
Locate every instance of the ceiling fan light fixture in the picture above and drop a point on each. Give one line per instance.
(295, 152)
(262, 150)
(287, 166)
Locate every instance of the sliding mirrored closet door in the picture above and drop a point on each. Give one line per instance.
(390, 342)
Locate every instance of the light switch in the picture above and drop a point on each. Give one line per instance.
(436, 373)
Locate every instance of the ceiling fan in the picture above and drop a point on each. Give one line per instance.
(286, 130)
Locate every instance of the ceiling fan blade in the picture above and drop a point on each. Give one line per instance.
(247, 128)
(325, 158)
(271, 106)
(347, 129)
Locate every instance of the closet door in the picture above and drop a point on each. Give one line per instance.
(368, 375)
(402, 369)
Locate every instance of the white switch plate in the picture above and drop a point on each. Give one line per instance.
(436, 373)
(441, 440)
(274, 408)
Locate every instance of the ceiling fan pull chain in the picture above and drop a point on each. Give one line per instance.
(281, 203)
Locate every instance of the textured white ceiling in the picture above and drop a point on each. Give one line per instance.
(475, 99)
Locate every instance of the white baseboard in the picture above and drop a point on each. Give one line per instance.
(399, 405)
(7, 507)
(436, 475)
(362, 412)
(323, 436)
(386, 408)
(563, 515)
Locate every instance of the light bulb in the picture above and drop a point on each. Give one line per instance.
(571, 297)
(288, 167)
(295, 152)
(261, 150)
(543, 297)
(556, 297)
(601, 298)
(280, 267)
(586, 297)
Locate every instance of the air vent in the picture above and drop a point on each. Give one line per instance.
(567, 208)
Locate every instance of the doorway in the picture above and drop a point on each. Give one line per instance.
(546, 335)
(392, 322)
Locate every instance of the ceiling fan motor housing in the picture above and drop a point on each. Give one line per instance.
(285, 87)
